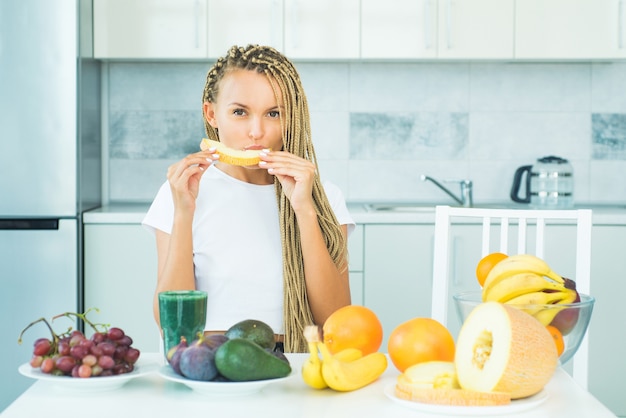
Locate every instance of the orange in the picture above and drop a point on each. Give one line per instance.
(486, 264)
(353, 326)
(418, 340)
(558, 338)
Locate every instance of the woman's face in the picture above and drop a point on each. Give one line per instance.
(246, 112)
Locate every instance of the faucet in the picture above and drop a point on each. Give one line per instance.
(466, 199)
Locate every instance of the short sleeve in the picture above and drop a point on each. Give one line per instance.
(338, 204)
(160, 215)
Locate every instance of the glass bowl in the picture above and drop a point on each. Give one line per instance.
(573, 318)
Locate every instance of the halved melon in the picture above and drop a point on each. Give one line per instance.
(232, 156)
(503, 349)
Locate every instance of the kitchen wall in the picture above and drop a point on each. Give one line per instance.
(378, 126)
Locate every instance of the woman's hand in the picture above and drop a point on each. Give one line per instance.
(295, 174)
(184, 178)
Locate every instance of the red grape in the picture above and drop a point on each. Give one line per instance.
(42, 347)
(84, 371)
(106, 362)
(65, 363)
(115, 333)
(47, 365)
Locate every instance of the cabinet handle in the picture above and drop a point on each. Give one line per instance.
(294, 21)
(620, 24)
(427, 25)
(449, 25)
(196, 23)
(275, 19)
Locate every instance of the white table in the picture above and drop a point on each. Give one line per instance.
(151, 396)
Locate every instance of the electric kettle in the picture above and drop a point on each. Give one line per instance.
(548, 184)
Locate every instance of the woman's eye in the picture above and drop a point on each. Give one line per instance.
(239, 112)
(274, 114)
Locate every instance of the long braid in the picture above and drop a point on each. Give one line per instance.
(296, 132)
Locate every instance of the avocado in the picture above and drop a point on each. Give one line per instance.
(253, 330)
(242, 360)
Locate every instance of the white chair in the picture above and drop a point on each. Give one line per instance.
(502, 221)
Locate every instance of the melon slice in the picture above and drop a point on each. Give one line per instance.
(232, 156)
(435, 382)
(503, 349)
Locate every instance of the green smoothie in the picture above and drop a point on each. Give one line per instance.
(182, 313)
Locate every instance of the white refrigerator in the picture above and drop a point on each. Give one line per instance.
(50, 164)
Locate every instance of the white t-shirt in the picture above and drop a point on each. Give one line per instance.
(237, 249)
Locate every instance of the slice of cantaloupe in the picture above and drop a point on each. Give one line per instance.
(435, 382)
(503, 349)
(232, 156)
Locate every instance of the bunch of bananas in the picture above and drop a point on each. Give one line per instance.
(344, 371)
(525, 279)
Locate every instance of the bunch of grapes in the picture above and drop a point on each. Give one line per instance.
(107, 352)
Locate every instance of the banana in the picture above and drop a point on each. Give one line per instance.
(538, 298)
(545, 316)
(312, 367)
(520, 263)
(518, 284)
(345, 376)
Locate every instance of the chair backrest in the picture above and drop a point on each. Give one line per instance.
(504, 220)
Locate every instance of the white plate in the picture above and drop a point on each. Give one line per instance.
(219, 388)
(515, 406)
(94, 384)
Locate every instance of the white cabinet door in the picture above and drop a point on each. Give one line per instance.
(322, 29)
(607, 340)
(244, 22)
(150, 29)
(120, 279)
(570, 29)
(480, 29)
(402, 29)
(397, 273)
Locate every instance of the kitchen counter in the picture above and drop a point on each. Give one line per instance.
(133, 213)
(153, 396)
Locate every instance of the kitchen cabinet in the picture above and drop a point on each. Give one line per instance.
(244, 22)
(437, 29)
(120, 278)
(150, 29)
(322, 29)
(567, 29)
(397, 273)
(607, 341)
(355, 254)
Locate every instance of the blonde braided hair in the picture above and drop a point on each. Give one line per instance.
(296, 132)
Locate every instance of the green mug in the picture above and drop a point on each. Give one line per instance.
(182, 314)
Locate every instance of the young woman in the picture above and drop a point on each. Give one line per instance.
(267, 242)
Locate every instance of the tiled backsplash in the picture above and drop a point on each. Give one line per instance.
(378, 126)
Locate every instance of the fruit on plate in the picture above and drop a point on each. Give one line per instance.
(197, 362)
(253, 330)
(525, 279)
(242, 360)
(419, 340)
(232, 156)
(342, 374)
(503, 349)
(107, 352)
(353, 326)
(435, 382)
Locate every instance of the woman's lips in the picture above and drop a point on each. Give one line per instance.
(255, 147)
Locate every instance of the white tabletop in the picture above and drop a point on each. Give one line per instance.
(153, 396)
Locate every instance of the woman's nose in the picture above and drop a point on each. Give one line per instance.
(256, 128)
